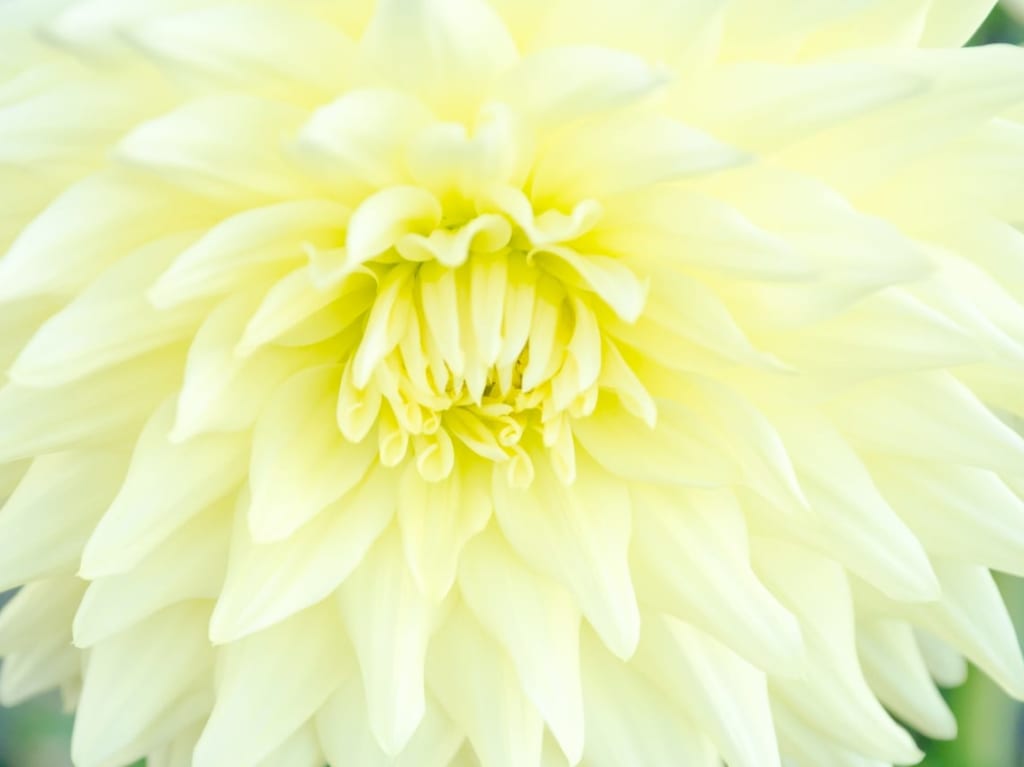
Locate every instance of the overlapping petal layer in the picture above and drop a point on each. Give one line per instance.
(508, 383)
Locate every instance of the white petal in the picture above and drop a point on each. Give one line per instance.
(143, 686)
(630, 721)
(87, 411)
(358, 141)
(897, 673)
(675, 451)
(623, 155)
(89, 227)
(390, 624)
(224, 391)
(437, 519)
(613, 282)
(832, 696)
(300, 461)
(537, 624)
(302, 749)
(109, 322)
(270, 684)
(188, 565)
(385, 217)
(268, 582)
(47, 520)
(249, 243)
(477, 685)
(558, 85)
(720, 595)
(167, 485)
(447, 51)
(224, 147)
(40, 613)
(973, 619)
(295, 300)
(579, 535)
(959, 513)
(722, 693)
(248, 45)
(951, 23)
(672, 226)
(939, 420)
(345, 733)
(859, 528)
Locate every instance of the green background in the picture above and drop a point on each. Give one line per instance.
(991, 726)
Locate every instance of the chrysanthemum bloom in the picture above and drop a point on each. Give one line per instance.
(516, 383)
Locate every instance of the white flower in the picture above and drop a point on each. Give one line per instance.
(523, 383)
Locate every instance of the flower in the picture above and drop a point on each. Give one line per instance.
(512, 383)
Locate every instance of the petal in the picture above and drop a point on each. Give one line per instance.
(87, 411)
(249, 244)
(358, 141)
(446, 51)
(77, 485)
(188, 565)
(109, 322)
(345, 733)
(630, 721)
(268, 582)
(832, 696)
(897, 673)
(223, 147)
(167, 485)
(89, 227)
(940, 420)
(721, 595)
(537, 624)
(554, 86)
(477, 685)
(675, 451)
(623, 155)
(951, 23)
(224, 391)
(390, 624)
(725, 696)
(251, 46)
(272, 683)
(579, 535)
(613, 282)
(143, 686)
(959, 513)
(437, 519)
(300, 461)
(860, 529)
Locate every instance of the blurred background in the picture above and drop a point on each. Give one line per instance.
(991, 726)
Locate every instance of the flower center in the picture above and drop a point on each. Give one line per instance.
(478, 331)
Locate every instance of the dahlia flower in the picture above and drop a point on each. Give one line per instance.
(512, 383)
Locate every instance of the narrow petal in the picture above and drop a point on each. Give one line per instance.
(268, 582)
(81, 486)
(270, 684)
(390, 624)
(190, 476)
(300, 461)
(721, 594)
(188, 565)
(579, 535)
(630, 721)
(477, 685)
(437, 519)
(537, 624)
(143, 686)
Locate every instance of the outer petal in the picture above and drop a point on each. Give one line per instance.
(579, 534)
(270, 684)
